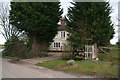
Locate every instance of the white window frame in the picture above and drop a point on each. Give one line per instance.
(63, 34)
(56, 44)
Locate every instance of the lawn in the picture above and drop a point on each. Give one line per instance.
(0, 53)
(12, 58)
(114, 46)
(87, 67)
(9, 57)
(105, 68)
(1, 47)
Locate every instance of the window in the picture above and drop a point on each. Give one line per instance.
(56, 44)
(62, 34)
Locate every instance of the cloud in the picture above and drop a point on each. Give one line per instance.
(4, 0)
(113, 41)
(66, 3)
(2, 40)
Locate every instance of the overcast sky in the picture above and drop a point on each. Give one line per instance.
(114, 15)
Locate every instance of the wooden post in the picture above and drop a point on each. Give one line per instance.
(87, 51)
(90, 51)
(93, 51)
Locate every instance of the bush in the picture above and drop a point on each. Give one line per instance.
(67, 56)
(9, 46)
(42, 54)
(79, 57)
(102, 56)
(29, 55)
(16, 48)
(19, 50)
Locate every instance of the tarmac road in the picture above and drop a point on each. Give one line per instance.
(23, 70)
(0, 65)
(26, 70)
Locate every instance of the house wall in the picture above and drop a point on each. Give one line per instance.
(63, 42)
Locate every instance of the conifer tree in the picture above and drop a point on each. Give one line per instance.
(38, 20)
(90, 22)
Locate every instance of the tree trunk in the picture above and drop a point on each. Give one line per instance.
(35, 46)
(38, 47)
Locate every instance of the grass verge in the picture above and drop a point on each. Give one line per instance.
(0, 53)
(87, 67)
(12, 58)
(1, 47)
(105, 68)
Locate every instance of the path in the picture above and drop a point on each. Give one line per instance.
(24, 70)
(27, 69)
(0, 64)
(39, 60)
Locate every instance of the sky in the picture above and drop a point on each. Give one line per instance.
(114, 16)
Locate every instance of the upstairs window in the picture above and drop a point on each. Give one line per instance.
(62, 34)
(56, 44)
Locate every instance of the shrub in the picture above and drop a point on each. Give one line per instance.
(79, 57)
(42, 54)
(9, 45)
(102, 56)
(16, 48)
(29, 55)
(19, 50)
(67, 56)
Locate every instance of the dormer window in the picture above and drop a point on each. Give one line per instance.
(62, 34)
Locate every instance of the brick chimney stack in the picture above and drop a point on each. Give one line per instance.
(62, 21)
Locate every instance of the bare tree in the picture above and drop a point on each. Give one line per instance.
(6, 29)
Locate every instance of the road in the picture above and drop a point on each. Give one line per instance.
(26, 70)
(23, 69)
(0, 65)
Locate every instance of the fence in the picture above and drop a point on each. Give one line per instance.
(91, 51)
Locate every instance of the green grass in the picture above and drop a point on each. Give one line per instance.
(0, 53)
(115, 46)
(53, 64)
(12, 58)
(1, 47)
(111, 56)
(107, 68)
(87, 67)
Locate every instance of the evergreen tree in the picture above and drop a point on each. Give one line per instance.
(38, 20)
(100, 23)
(89, 22)
(76, 22)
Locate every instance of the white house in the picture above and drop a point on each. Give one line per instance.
(60, 41)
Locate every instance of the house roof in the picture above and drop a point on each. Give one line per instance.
(62, 27)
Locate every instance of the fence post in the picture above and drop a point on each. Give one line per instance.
(93, 51)
(87, 51)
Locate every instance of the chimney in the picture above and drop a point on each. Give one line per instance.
(62, 20)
